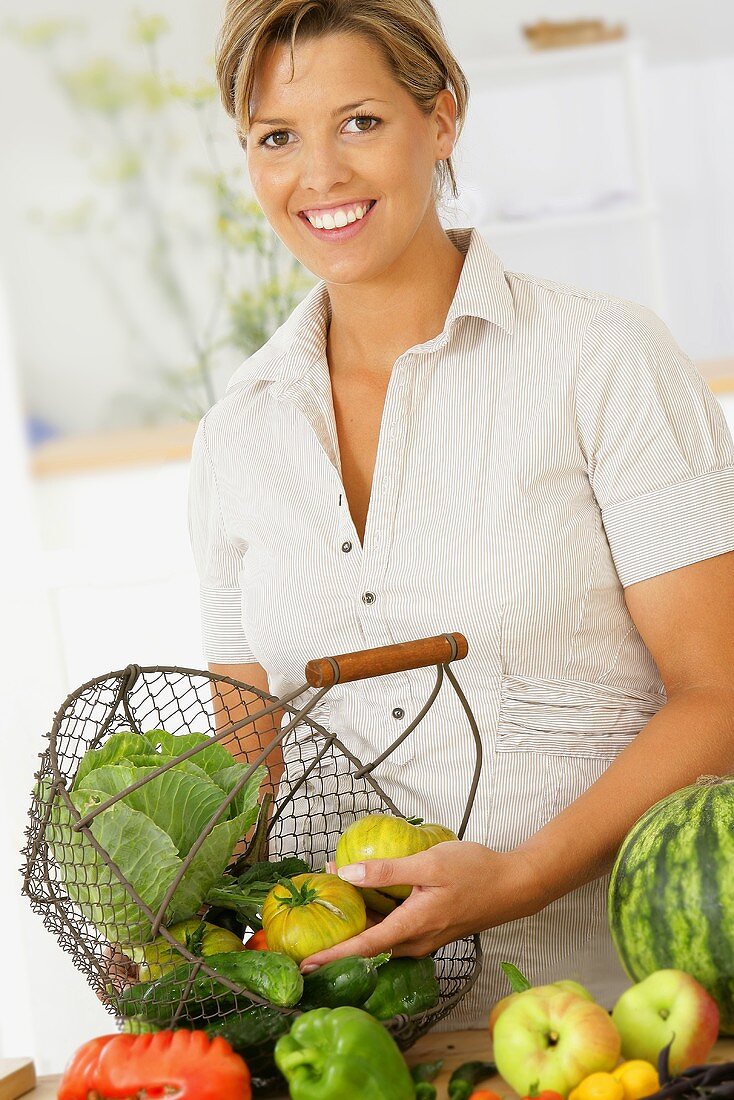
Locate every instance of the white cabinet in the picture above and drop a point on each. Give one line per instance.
(553, 167)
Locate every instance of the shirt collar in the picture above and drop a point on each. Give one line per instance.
(482, 291)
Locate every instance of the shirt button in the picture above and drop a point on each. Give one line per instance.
(368, 597)
(346, 547)
(398, 713)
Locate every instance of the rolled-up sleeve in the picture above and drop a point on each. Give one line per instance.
(218, 562)
(658, 449)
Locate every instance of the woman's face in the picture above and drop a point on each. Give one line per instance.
(318, 154)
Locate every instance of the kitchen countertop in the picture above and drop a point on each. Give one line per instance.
(454, 1047)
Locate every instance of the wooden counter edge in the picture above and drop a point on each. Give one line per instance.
(119, 448)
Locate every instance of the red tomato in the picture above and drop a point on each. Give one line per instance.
(257, 942)
(485, 1094)
(187, 1062)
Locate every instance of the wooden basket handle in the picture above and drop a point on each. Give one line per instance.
(327, 671)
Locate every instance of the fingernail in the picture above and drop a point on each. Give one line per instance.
(353, 872)
(309, 968)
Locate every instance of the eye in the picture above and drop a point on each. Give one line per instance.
(359, 115)
(370, 118)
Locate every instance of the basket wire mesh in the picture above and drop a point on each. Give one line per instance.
(77, 852)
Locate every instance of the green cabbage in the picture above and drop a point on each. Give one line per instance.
(148, 833)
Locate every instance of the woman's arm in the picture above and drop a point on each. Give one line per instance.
(686, 618)
(233, 704)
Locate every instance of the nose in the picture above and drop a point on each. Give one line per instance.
(324, 169)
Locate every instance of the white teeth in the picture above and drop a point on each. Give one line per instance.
(340, 218)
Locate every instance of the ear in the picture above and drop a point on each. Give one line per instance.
(444, 113)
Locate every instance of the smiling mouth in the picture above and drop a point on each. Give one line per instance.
(303, 215)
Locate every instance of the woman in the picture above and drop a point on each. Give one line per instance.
(432, 443)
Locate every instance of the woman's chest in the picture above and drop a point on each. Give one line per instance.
(479, 515)
(358, 407)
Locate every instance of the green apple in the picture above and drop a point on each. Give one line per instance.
(554, 1037)
(565, 983)
(666, 1002)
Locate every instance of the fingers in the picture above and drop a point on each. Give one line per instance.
(372, 941)
(389, 934)
(423, 869)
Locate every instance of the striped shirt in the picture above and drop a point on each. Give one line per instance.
(549, 447)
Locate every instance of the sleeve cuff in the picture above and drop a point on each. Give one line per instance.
(672, 527)
(222, 638)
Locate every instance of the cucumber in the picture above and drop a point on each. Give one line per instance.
(348, 981)
(268, 974)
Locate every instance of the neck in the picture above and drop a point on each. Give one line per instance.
(374, 322)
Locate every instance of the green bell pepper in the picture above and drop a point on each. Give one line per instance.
(334, 1053)
(404, 985)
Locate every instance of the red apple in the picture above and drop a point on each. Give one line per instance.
(666, 1002)
(565, 983)
(555, 1038)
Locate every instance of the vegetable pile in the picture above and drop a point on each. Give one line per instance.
(325, 1030)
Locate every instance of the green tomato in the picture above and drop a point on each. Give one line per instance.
(160, 957)
(311, 912)
(381, 836)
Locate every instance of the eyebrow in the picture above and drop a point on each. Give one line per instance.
(337, 111)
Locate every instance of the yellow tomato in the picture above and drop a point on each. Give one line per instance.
(311, 912)
(637, 1078)
(573, 1094)
(383, 836)
(599, 1086)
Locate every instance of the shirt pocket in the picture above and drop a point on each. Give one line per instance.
(571, 717)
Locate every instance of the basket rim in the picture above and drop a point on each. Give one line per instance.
(129, 675)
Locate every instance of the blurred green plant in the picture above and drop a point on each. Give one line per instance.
(139, 163)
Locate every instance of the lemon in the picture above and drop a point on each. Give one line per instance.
(600, 1086)
(637, 1078)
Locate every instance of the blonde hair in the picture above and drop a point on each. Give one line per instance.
(407, 32)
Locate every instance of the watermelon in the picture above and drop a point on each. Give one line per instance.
(671, 891)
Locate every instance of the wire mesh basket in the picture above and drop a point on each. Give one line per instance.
(112, 868)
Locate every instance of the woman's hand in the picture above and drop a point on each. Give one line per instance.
(459, 888)
(120, 972)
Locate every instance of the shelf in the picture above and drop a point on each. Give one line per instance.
(122, 447)
(618, 215)
(528, 62)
